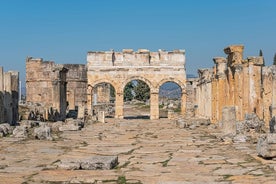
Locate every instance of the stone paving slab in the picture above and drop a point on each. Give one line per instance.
(148, 152)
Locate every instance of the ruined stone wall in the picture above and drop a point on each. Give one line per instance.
(9, 88)
(242, 83)
(46, 84)
(76, 79)
(119, 68)
(191, 86)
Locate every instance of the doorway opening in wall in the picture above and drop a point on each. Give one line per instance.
(136, 100)
(169, 99)
(103, 99)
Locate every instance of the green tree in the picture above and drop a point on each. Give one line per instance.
(274, 59)
(128, 92)
(261, 54)
(142, 91)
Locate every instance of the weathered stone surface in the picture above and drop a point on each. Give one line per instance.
(228, 123)
(5, 129)
(55, 126)
(71, 125)
(118, 68)
(272, 125)
(29, 123)
(99, 163)
(69, 164)
(9, 96)
(90, 163)
(42, 133)
(20, 132)
(266, 146)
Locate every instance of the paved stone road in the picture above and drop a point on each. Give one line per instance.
(149, 152)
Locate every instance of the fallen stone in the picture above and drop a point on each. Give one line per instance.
(240, 138)
(42, 133)
(91, 163)
(99, 163)
(29, 123)
(20, 132)
(5, 129)
(55, 126)
(266, 146)
(69, 164)
(72, 125)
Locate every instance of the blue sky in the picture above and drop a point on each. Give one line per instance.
(64, 30)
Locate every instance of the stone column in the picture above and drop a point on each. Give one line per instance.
(154, 105)
(119, 105)
(89, 100)
(256, 87)
(234, 58)
(221, 68)
(8, 96)
(183, 102)
(238, 92)
(273, 106)
(1, 79)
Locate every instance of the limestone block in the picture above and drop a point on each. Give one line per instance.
(5, 129)
(20, 132)
(42, 133)
(272, 125)
(99, 163)
(266, 146)
(229, 120)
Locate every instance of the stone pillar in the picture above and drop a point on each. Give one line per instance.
(8, 97)
(238, 91)
(221, 68)
(273, 106)
(255, 78)
(154, 105)
(15, 95)
(234, 58)
(119, 106)
(1, 79)
(89, 100)
(183, 102)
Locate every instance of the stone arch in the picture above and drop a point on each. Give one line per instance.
(178, 82)
(95, 83)
(148, 82)
(183, 91)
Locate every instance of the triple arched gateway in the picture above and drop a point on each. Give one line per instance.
(119, 68)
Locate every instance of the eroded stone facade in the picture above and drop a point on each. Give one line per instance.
(119, 68)
(246, 84)
(56, 87)
(9, 96)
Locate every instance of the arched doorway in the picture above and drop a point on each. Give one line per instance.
(169, 98)
(103, 98)
(136, 100)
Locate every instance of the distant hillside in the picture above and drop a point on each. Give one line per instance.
(170, 90)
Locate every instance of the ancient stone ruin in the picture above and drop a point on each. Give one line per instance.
(245, 84)
(9, 96)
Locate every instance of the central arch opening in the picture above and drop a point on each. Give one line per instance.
(136, 100)
(169, 99)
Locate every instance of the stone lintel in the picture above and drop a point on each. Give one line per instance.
(218, 60)
(31, 59)
(256, 60)
(233, 48)
(143, 51)
(128, 51)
